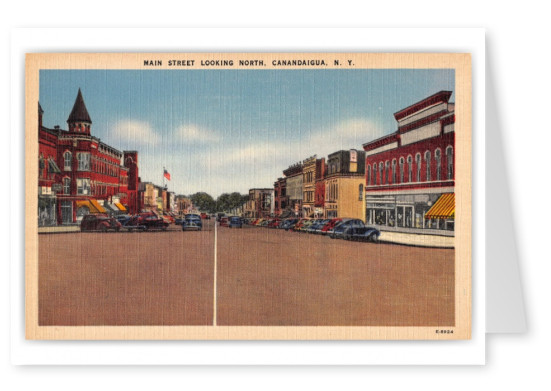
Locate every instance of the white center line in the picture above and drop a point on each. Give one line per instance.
(215, 263)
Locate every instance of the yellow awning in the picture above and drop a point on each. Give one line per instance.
(96, 204)
(88, 205)
(120, 206)
(443, 208)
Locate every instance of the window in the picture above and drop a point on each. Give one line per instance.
(394, 171)
(66, 212)
(66, 186)
(360, 191)
(401, 162)
(368, 175)
(41, 166)
(449, 158)
(438, 158)
(380, 173)
(418, 162)
(410, 168)
(374, 174)
(428, 166)
(67, 157)
(83, 186)
(83, 161)
(387, 172)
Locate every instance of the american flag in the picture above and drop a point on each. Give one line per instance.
(166, 174)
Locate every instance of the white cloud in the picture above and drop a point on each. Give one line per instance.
(193, 133)
(132, 134)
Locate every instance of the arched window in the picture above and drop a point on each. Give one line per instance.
(449, 161)
(401, 163)
(394, 171)
(374, 174)
(67, 157)
(438, 158)
(360, 192)
(428, 166)
(41, 166)
(380, 173)
(368, 175)
(410, 168)
(418, 163)
(387, 172)
(66, 186)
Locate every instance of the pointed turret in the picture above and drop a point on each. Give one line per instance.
(79, 120)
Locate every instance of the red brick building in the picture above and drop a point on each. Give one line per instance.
(80, 174)
(410, 173)
(281, 200)
(319, 198)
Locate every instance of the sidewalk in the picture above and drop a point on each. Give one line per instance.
(417, 239)
(58, 229)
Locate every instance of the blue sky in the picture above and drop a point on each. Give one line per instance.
(230, 130)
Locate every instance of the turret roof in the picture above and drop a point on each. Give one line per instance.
(79, 112)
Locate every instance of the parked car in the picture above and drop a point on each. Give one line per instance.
(179, 220)
(273, 223)
(317, 226)
(99, 222)
(123, 219)
(298, 225)
(205, 216)
(224, 221)
(192, 222)
(235, 221)
(147, 221)
(364, 234)
(338, 231)
(328, 228)
(288, 224)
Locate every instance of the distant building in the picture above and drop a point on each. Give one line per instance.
(259, 204)
(294, 191)
(410, 175)
(281, 200)
(319, 196)
(344, 184)
(308, 185)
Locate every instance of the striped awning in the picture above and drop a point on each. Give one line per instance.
(96, 204)
(443, 208)
(120, 206)
(89, 205)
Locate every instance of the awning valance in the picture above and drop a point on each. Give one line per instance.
(120, 206)
(443, 208)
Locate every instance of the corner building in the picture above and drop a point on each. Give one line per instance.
(410, 177)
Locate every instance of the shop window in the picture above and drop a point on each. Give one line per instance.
(66, 186)
(428, 166)
(67, 157)
(449, 161)
(418, 163)
(66, 212)
(410, 168)
(401, 164)
(438, 158)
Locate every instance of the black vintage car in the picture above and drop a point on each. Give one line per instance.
(146, 221)
(99, 222)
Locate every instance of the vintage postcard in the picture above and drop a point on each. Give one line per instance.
(248, 196)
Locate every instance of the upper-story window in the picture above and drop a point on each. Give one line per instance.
(449, 159)
(41, 166)
(368, 175)
(428, 166)
(83, 161)
(360, 192)
(438, 158)
(83, 186)
(401, 163)
(410, 168)
(394, 171)
(67, 160)
(418, 163)
(387, 172)
(374, 174)
(381, 173)
(66, 186)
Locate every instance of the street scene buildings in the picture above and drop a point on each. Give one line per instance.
(271, 157)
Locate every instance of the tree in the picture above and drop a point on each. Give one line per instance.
(203, 202)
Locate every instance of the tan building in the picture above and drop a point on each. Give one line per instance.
(308, 185)
(344, 185)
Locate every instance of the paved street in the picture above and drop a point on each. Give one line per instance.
(264, 277)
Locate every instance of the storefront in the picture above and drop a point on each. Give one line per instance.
(411, 211)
